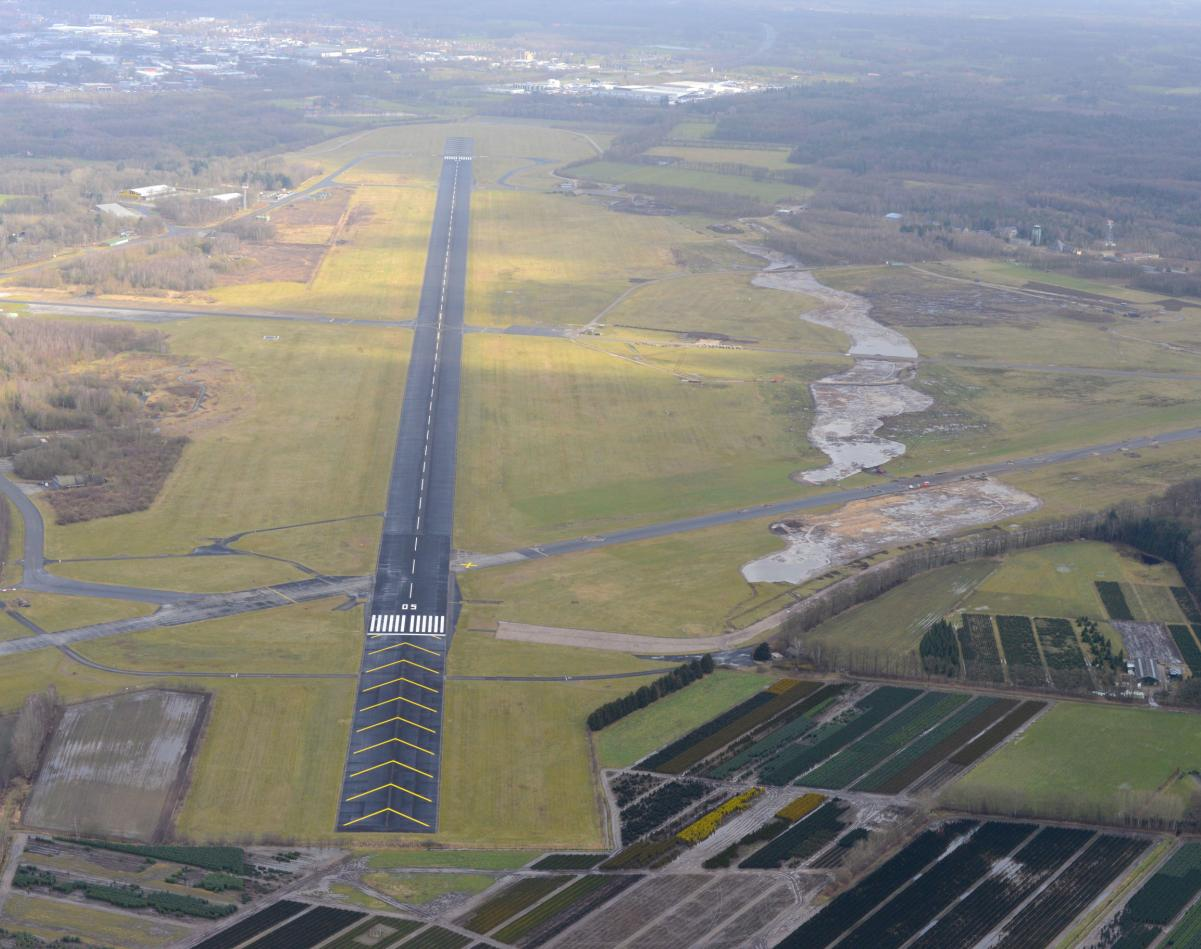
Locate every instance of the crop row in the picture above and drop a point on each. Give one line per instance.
(510, 901)
(927, 750)
(1188, 606)
(435, 938)
(351, 938)
(1169, 890)
(229, 859)
(1021, 650)
(978, 746)
(662, 804)
(1114, 600)
(1037, 924)
(645, 854)
(704, 826)
(790, 726)
(853, 762)
(125, 896)
(973, 917)
(848, 908)
(802, 840)
(978, 644)
(904, 915)
(834, 856)
(776, 703)
(1187, 933)
(629, 785)
(799, 807)
(309, 930)
(250, 926)
(1187, 646)
(568, 861)
(553, 915)
(873, 708)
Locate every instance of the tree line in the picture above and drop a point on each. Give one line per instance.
(679, 677)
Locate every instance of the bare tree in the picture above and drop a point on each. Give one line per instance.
(34, 724)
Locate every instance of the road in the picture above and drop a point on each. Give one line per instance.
(391, 779)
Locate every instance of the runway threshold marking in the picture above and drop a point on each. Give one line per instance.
(399, 698)
(385, 787)
(399, 764)
(376, 652)
(394, 718)
(396, 741)
(385, 810)
(403, 662)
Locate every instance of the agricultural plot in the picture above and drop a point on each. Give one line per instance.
(308, 929)
(1147, 641)
(872, 709)
(1114, 600)
(1161, 898)
(1004, 889)
(513, 899)
(660, 806)
(435, 937)
(1188, 605)
(978, 643)
(571, 904)
(634, 909)
(642, 855)
(701, 742)
(909, 764)
(568, 861)
(689, 923)
(802, 840)
(1062, 654)
(1065, 897)
(251, 926)
(1022, 657)
(1187, 645)
(376, 931)
(115, 766)
(1186, 934)
(792, 812)
(855, 761)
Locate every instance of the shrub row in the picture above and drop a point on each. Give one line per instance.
(1021, 650)
(647, 813)
(125, 897)
(645, 854)
(701, 732)
(1188, 647)
(678, 678)
(703, 827)
(981, 657)
(510, 901)
(1188, 606)
(939, 649)
(970, 752)
(799, 807)
(1169, 890)
(572, 903)
(776, 703)
(802, 840)
(1114, 600)
(229, 859)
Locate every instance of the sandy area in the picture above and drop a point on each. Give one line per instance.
(849, 406)
(817, 544)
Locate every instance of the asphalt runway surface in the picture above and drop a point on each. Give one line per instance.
(391, 780)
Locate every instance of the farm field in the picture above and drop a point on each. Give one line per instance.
(1086, 762)
(53, 612)
(318, 638)
(54, 919)
(637, 735)
(416, 889)
(773, 159)
(114, 766)
(270, 453)
(464, 859)
(345, 547)
(633, 174)
(475, 653)
(660, 449)
(186, 574)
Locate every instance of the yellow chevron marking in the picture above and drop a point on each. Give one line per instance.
(385, 810)
(403, 662)
(395, 718)
(399, 741)
(400, 679)
(399, 698)
(376, 652)
(384, 787)
(424, 774)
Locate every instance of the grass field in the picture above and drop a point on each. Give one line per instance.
(773, 159)
(895, 621)
(549, 258)
(637, 735)
(417, 889)
(464, 859)
(476, 653)
(724, 303)
(307, 637)
(1087, 760)
(187, 574)
(578, 439)
(617, 172)
(347, 547)
(54, 919)
(687, 585)
(272, 450)
(375, 270)
(54, 612)
(1058, 580)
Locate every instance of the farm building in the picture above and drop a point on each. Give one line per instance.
(228, 198)
(1146, 669)
(150, 192)
(117, 210)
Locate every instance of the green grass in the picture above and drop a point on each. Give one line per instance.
(273, 448)
(637, 735)
(54, 612)
(474, 653)
(559, 467)
(1058, 580)
(317, 639)
(54, 919)
(773, 159)
(417, 889)
(356, 897)
(895, 621)
(622, 173)
(686, 585)
(467, 859)
(187, 574)
(1088, 760)
(697, 131)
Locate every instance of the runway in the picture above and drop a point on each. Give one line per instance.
(391, 779)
